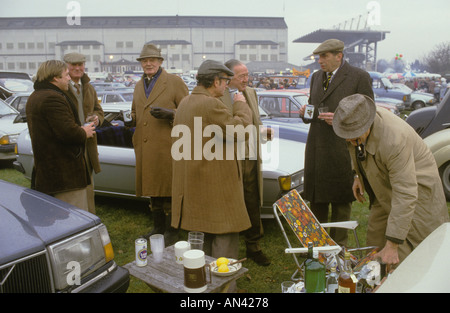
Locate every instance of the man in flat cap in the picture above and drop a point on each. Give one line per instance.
(83, 94)
(155, 99)
(328, 177)
(398, 171)
(207, 192)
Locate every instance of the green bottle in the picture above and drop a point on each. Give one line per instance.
(314, 272)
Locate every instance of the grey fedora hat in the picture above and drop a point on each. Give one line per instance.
(354, 116)
(150, 51)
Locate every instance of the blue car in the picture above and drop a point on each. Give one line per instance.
(49, 246)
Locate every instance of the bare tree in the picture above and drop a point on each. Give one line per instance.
(438, 60)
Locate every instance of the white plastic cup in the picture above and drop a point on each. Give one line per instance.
(157, 247)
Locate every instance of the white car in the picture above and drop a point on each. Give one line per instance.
(283, 158)
(10, 129)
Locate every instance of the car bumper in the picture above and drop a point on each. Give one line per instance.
(114, 280)
(7, 152)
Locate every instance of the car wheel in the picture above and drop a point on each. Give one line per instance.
(444, 172)
(417, 105)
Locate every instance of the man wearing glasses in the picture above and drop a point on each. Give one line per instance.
(251, 167)
(207, 192)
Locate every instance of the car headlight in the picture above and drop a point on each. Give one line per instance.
(9, 139)
(291, 181)
(89, 250)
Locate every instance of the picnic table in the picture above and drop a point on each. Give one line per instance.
(168, 276)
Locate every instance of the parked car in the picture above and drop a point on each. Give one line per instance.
(418, 99)
(10, 129)
(383, 87)
(439, 144)
(110, 96)
(283, 158)
(99, 85)
(282, 103)
(429, 120)
(50, 246)
(12, 82)
(18, 101)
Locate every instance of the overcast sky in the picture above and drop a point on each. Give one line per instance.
(415, 26)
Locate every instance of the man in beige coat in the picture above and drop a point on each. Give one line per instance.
(83, 94)
(155, 99)
(207, 191)
(398, 171)
(251, 166)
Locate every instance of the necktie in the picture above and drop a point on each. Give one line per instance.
(326, 82)
(77, 87)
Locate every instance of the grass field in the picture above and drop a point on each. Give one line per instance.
(126, 220)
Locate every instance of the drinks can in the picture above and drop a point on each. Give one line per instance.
(141, 251)
(309, 112)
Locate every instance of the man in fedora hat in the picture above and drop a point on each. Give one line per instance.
(208, 194)
(83, 94)
(328, 178)
(155, 99)
(398, 171)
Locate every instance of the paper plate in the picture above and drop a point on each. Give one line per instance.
(232, 268)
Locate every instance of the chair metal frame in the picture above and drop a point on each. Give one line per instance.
(328, 249)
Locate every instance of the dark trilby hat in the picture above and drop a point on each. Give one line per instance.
(150, 51)
(354, 116)
(213, 67)
(330, 45)
(74, 58)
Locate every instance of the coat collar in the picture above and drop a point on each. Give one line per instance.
(338, 78)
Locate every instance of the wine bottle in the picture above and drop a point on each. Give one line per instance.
(314, 273)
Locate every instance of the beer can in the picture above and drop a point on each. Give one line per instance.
(141, 251)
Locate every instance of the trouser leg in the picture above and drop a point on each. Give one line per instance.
(339, 212)
(252, 202)
(161, 208)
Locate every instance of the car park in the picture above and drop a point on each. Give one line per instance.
(429, 120)
(439, 144)
(383, 87)
(10, 129)
(50, 246)
(418, 99)
(110, 96)
(283, 158)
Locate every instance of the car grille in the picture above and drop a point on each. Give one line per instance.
(30, 275)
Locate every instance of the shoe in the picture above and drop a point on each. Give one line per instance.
(259, 258)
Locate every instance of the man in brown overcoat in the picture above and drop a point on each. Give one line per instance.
(155, 99)
(83, 94)
(57, 137)
(207, 181)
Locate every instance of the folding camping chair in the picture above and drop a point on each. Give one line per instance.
(307, 228)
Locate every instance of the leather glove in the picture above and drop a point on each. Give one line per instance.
(162, 113)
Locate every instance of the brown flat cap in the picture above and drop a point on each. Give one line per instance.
(213, 67)
(330, 45)
(150, 51)
(74, 58)
(354, 116)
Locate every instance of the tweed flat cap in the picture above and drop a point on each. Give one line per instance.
(213, 67)
(330, 45)
(74, 58)
(354, 116)
(150, 51)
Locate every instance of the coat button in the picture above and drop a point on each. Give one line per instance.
(145, 139)
(145, 123)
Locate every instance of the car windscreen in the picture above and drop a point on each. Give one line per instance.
(6, 109)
